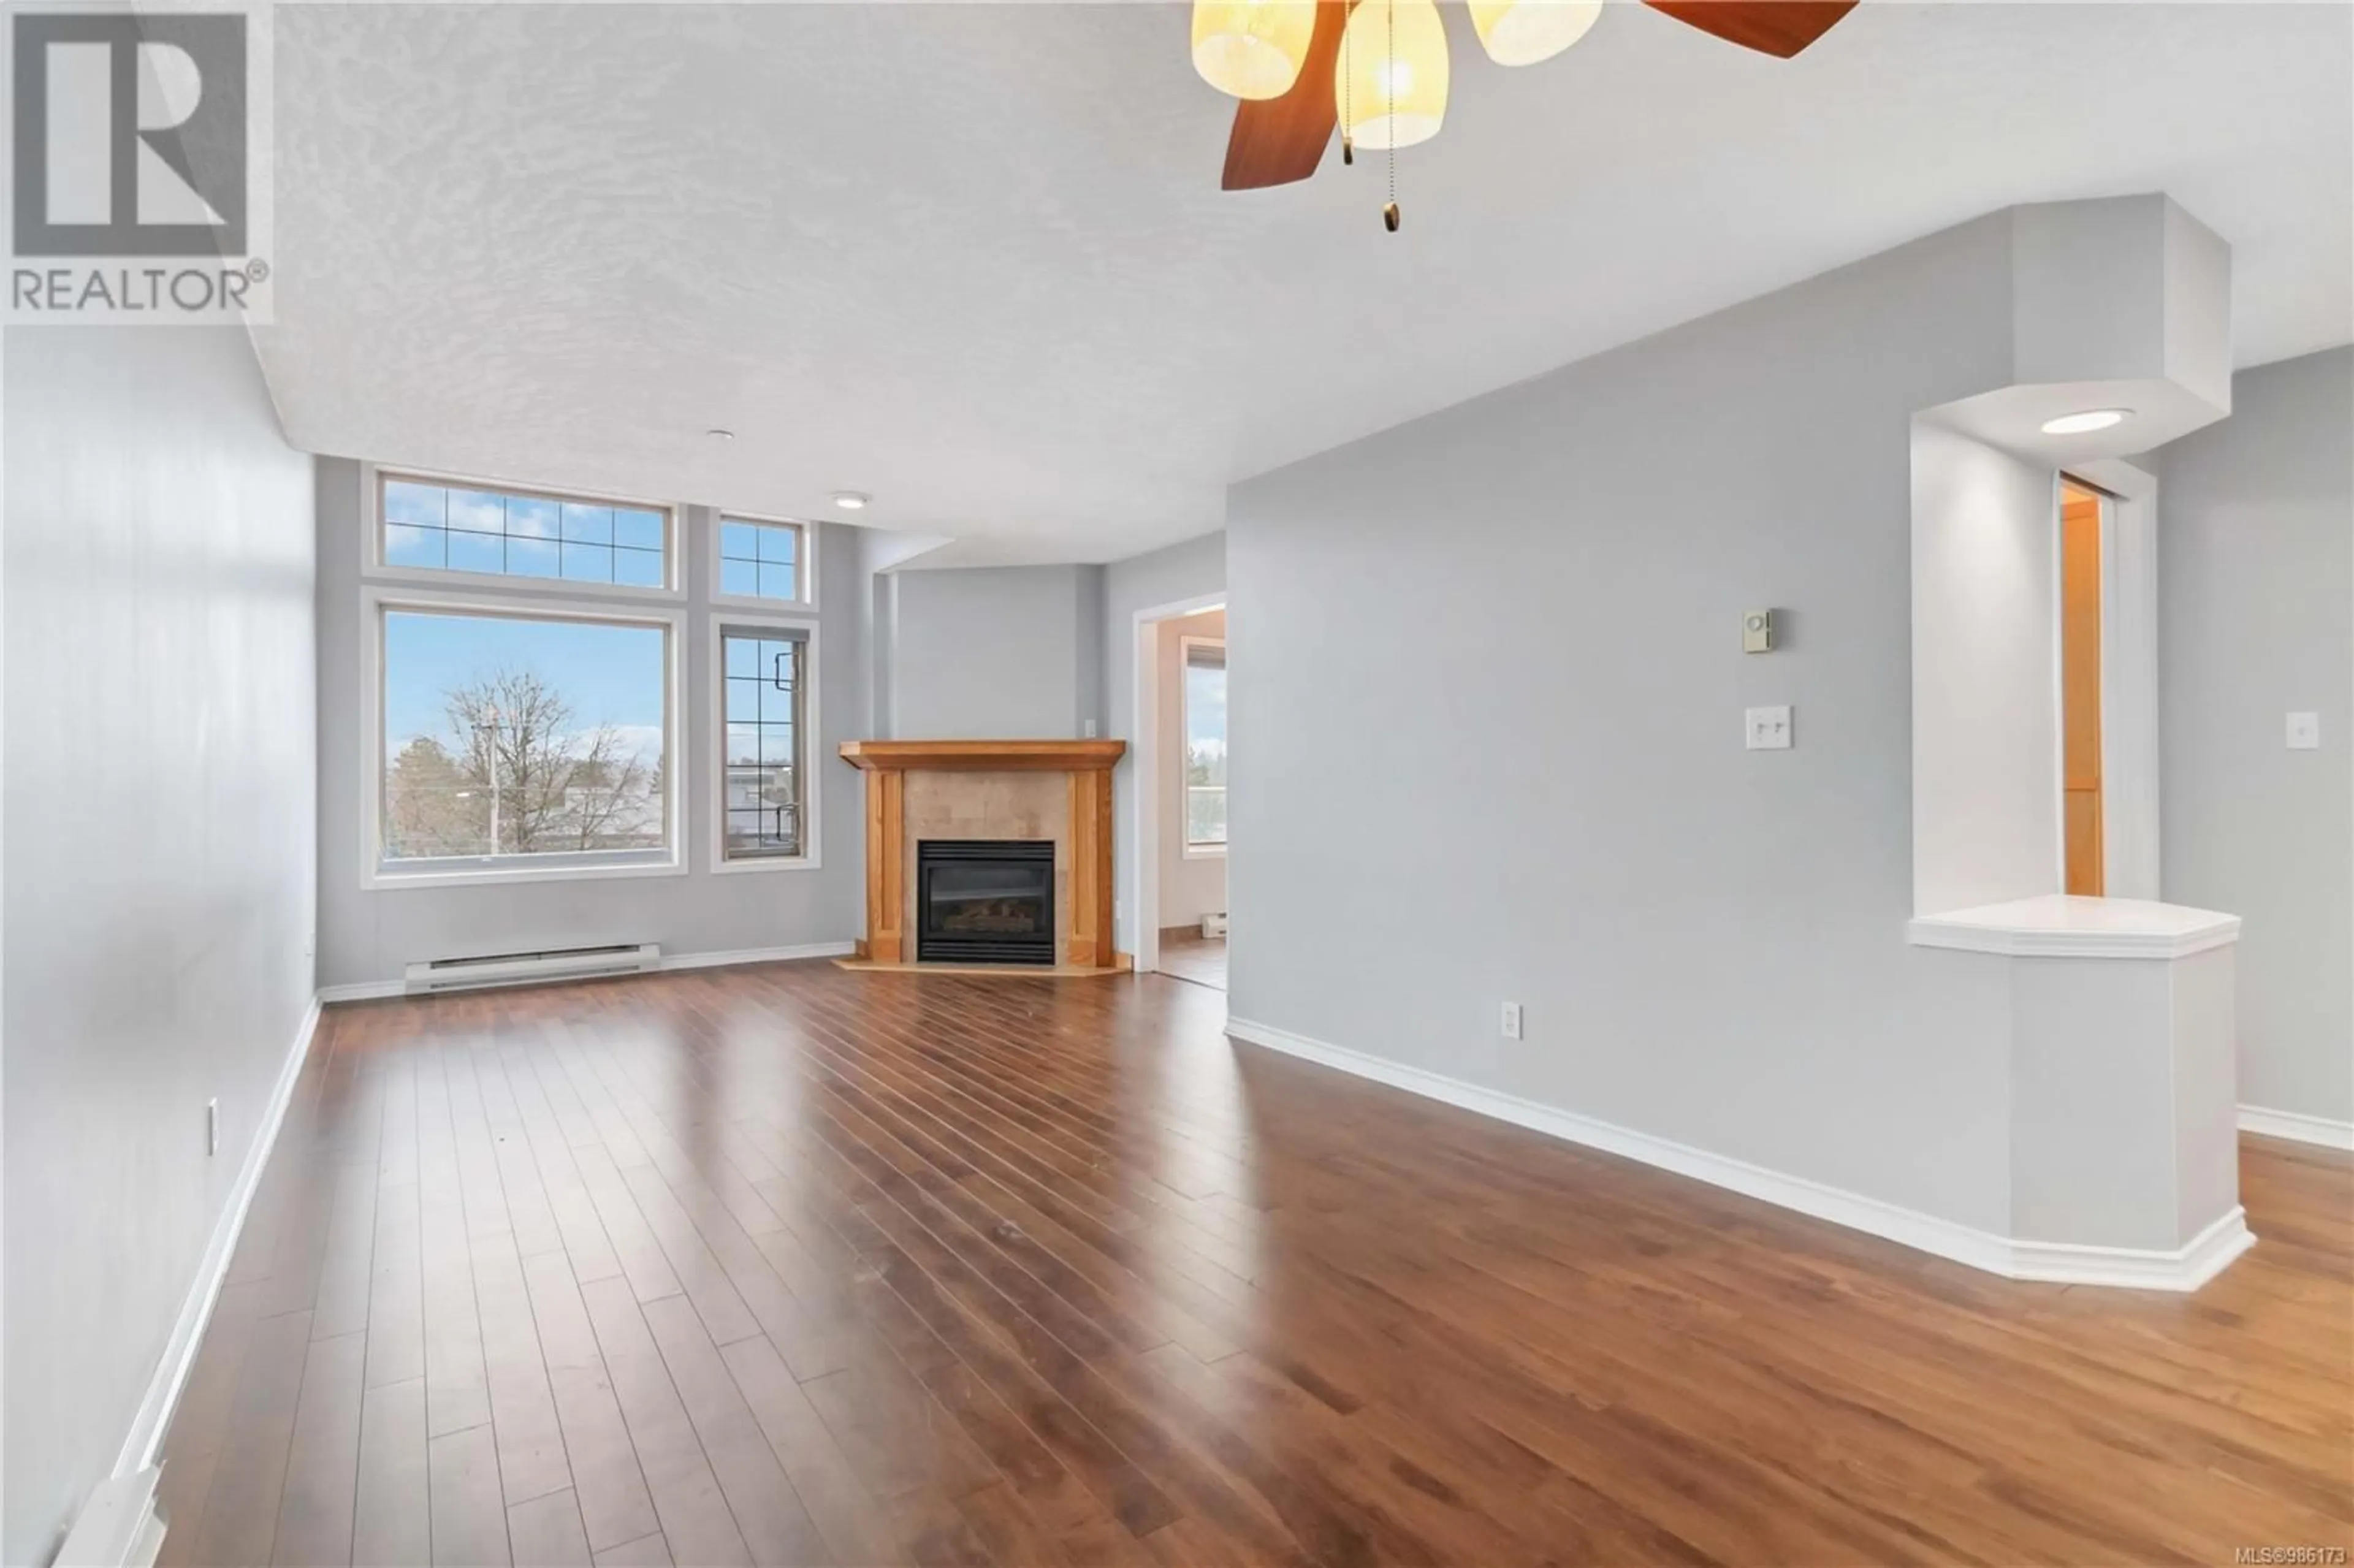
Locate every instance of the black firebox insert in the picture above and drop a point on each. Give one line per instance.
(985, 901)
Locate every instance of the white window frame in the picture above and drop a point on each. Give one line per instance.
(373, 565)
(375, 599)
(806, 736)
(1188, 849)
(804, 564)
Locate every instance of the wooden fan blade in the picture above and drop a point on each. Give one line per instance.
(1777, 27)
(1278, 140)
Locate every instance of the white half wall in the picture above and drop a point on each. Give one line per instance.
(160, 874)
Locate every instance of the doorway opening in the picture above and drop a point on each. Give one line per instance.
(2083, 813)
(1181, 791)
(1190, 665)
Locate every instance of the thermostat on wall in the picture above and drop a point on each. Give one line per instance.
(1757, 631)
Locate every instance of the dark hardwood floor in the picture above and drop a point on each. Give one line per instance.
(794, 1264)
(1190, 955)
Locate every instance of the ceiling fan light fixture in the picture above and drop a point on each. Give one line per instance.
(1522, 32)
(1252, 48)
(1391, 80)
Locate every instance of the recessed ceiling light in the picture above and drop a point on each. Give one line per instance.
(718, 435)
(2090, 420)
(851, 500)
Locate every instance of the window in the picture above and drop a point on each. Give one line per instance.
(430, 525)
(1205, 745)
(518, 741)
(763, 562)
(766, 797)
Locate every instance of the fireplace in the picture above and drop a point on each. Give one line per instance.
(985, 901)
(1019, 793)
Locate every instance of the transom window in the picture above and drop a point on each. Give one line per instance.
(760, 560)
(430, 525)
(1205, 745)
(763, 790)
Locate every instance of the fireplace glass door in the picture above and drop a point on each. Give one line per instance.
(985, 901)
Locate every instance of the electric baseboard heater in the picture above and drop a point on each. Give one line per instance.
(527, 968)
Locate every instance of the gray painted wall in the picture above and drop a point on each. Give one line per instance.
(996, 653)
(2256, 619)
(1170, 576)
(367, 936)
(1986, 756)
(1541, 794)
(158, 884)
(879, 550)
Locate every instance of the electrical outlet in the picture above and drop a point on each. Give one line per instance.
(1512, 1021)
(1770, 729)
(212, 1127)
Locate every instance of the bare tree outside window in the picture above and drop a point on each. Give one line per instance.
(518, 772)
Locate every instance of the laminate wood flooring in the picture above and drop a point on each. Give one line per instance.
(794, 1264)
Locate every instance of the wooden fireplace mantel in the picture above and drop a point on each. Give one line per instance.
(985, 756)
(1085, 938)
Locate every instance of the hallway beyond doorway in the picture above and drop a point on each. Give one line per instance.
(1187, 955)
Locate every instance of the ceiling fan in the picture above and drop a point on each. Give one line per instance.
(1303, 67)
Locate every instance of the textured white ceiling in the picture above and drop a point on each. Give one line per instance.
(973, 257)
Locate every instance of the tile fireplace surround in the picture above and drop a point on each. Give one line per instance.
(1058, 790)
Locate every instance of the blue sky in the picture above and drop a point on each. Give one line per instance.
(1205, 707)
(610, 674)
(520, 535)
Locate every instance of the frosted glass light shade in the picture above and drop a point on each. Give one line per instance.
(1252, 48)
(1390, 82)
(1522, 32)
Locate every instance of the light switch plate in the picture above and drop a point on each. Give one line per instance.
(2305, 732)
(1770, 729)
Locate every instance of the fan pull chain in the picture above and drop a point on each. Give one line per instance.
(1348, 89)
(1389, 96)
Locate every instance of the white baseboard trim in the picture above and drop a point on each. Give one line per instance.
(375, 990)
(197, 1310)
(120, 1526)
(2185, 1269)
(363, 991)
(2296, 1126)
(757, 956)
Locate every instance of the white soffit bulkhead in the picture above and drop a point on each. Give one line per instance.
(2122, 305)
